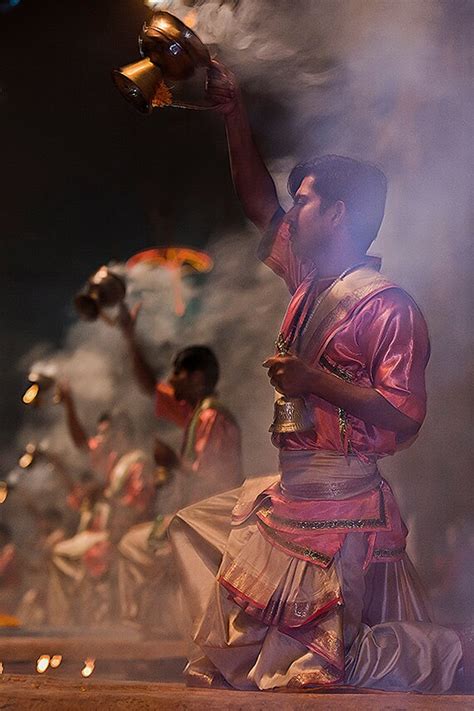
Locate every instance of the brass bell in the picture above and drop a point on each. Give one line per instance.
(104, 289)
(40, 385)
(172, 53)
(291, 415)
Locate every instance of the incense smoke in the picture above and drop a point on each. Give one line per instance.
(380, 80)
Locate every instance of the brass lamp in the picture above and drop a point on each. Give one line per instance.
(103, 289)
(172, 70)
(29, 456)
(41, 386)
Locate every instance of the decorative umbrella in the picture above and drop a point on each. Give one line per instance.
(182, 261)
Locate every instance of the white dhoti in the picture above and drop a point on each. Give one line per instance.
(141, 573)
(67, 572)
(372, 618)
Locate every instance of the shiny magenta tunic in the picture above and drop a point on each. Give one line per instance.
(211, 447)
(384, 345)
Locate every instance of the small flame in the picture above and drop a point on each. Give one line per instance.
(43, 663)
(31, 394)
(3, 491)
(25, 460)
(162, 97)
(56, 660)
(89, 666)
(1, 667)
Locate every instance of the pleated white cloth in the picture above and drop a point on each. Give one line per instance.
(263, 618)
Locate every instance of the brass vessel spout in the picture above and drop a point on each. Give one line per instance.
(173, 68)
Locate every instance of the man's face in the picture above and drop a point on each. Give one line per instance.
(182, 383)
(310, 231)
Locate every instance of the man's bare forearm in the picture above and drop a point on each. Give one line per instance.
(253, 183)
(364, 403)
(76, 430)
(144, 375)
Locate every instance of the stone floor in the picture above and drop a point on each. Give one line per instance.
(30, 693)
(136, 674)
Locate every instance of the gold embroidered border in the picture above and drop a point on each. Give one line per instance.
(346, 304)
(320, 676)
(331, 641)
(381, 522)
(301, 550)
(388, 552)
(341, 413)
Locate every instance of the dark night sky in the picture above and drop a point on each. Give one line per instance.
(85, 178)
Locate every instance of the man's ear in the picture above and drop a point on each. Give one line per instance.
(338, 213)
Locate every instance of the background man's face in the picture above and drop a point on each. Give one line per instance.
(309, 230)
(182, 384)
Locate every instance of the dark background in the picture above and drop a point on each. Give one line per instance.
(85, 178)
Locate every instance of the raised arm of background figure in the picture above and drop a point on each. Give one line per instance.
(76, 430)
(252, 181)
(144, 375)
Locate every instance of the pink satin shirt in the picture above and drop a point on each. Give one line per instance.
(384, 345)
(215, 456)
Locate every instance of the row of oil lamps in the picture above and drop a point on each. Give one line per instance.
(45, 662)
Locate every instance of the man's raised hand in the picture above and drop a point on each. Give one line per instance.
(127, 318)
(222, 89)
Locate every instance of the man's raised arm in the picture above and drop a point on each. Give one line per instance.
(76, 429)
(144, 374)
(253, 183)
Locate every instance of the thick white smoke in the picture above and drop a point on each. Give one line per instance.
(375, 79)
(236, 312)
(389, 82)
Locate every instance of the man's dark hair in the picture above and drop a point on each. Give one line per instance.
(361, 186)
(200, 358)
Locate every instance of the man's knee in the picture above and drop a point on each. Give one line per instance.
(182, 520)
(176, 525)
